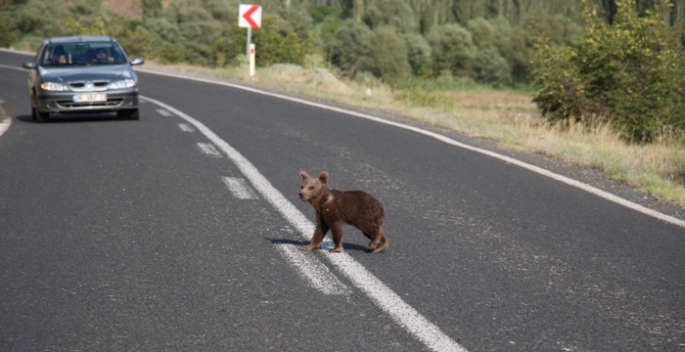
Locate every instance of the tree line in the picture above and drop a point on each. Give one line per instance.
(495, 42)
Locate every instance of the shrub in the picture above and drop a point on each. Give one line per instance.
(482, 32)
(396, 13)
(389, 56)
(277, 42)
(488, 66)
(452, 49)
(630, 73)
(351, 50)
(418, 54)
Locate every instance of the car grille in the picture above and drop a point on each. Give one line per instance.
(81, 84)
(67, 104)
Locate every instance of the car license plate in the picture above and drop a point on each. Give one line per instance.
(89, 98)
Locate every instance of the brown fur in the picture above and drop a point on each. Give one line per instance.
(335, 208)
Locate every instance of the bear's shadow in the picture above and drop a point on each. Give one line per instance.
(346, 246)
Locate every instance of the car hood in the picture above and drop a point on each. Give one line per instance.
(86, 73)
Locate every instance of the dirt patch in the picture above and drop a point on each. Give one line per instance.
(130, 9)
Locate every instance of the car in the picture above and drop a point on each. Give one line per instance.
(79, 74)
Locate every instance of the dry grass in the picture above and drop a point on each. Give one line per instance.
(509, 118)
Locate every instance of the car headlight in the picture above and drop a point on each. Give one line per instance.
(54, 86)
(126, 83)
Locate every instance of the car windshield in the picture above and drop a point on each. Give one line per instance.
(82, 53)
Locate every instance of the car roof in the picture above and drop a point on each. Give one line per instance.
(81, 38)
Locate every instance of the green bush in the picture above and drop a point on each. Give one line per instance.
(396, 13)
(351, 50)
(389, 56)
(482, 32)
(630, 73)
(488, 66)
(452, 49)
(277, 42)
(418, 54)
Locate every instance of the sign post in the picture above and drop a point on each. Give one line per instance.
(252, 53)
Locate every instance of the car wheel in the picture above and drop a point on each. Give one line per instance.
(129, 114)
(40, 116)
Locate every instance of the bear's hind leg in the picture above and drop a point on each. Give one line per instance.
(379, 242)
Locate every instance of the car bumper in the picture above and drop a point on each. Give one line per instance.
(64, 102)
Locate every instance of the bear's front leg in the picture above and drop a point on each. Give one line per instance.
(319, 233)
(337, 233)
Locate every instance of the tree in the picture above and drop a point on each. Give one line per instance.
(389, 55)
(418, 54)
(452, 49)
(630, 72)
(352, 47)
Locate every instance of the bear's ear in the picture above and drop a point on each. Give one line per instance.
(304, 175)
(323, 177)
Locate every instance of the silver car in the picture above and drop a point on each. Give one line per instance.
(82, 74)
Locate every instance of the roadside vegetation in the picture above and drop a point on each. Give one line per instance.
(597, 83)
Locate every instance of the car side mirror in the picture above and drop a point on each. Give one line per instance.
(29, 65)
(138, 61)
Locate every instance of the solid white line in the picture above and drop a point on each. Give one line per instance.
(239, 188)
(5, 125)
(163, 112)
(571, 182)
(313, 270)
(209, 149)
(406, 316)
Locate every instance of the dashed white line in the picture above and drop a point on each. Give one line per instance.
(5, 125)
(163, 112)
(405, 315)
(185, 127)
(239, 188)
(209, 149)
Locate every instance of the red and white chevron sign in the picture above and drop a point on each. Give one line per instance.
(249, 16)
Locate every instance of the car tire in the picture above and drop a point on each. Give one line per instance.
(129, 114)
(40, 116)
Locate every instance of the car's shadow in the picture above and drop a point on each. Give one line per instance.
(74, 118)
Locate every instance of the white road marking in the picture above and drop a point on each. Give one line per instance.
(239, 188)
(209, 149)
(185, 127)
(313, 270)
(16, 68)
(5, 125)
(569, 181)
(405, 315)
(163, 112)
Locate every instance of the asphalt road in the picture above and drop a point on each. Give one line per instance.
(124, 236)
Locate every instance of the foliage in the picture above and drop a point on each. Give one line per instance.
(630, 73)
(488, 66)
(389, 55)
(396, 13)
(96, 27)
(352, 47)
(418, 54)
(452, 49)
(278, 42)
(320, 13)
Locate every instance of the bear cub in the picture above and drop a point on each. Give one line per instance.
(335, 208)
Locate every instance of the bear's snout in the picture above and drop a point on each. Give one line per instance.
(301, 196)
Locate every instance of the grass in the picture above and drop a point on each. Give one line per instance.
(505, 116)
